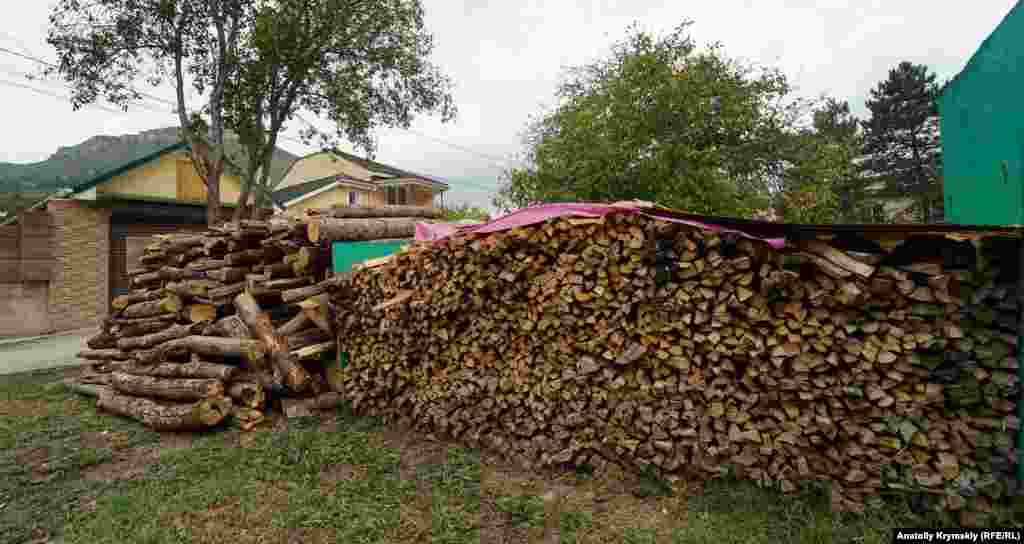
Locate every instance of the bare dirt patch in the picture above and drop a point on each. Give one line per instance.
(418, 453)
(127, 464)
(170, 441)
(341, 472)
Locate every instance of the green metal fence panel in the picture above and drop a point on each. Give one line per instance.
(346, 254)
(982, 131)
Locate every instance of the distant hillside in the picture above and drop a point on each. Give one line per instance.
(73, 165)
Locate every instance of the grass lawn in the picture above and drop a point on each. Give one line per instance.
(68, 472)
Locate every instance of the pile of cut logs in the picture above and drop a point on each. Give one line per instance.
(655, 345)
(224, 323)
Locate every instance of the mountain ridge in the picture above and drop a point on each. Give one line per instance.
(72, 165)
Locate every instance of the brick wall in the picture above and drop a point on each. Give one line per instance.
(79, 284)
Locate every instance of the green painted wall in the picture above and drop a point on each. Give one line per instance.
(982, 131)
(346, 254)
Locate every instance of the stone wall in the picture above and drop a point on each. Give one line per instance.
(79, 285)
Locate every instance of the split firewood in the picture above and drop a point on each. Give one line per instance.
(163, 417)
(180, 389)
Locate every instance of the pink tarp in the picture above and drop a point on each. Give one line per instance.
(541, 213)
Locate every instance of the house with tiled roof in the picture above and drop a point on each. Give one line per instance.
(333, 178)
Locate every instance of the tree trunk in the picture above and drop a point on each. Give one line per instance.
(140, 329)
(123, 301)
(307, 337)
(102, 340)
(122, 323)
(161, 417)
(168, 304)
(295, 377)
(191, 369)
(103, 355)
(232, 327)
(150, 340)
(388, 211)
(302, 293)
(181, 389)
(314, 351)
(334, 230)
(215, 346)
(294, 325)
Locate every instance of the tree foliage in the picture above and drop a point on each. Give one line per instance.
(902, 135)
(660, 120)
(466, 211)
(105, 48)
(361, 64)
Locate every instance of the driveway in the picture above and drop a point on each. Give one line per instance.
(57, 350)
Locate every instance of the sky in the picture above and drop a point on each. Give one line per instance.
(506, 59)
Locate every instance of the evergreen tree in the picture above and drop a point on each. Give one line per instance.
(902, 136)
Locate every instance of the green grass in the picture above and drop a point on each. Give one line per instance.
(312, 482)
(523, 510)
(42, 453)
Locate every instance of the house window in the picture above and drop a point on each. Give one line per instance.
(397, 196)
(353, 198)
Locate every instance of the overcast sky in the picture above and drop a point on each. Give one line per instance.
(506, 58)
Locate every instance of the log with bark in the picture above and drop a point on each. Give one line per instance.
(195, 368)
(295, 377)
(152, 308)
(327, 229)
(180, 389)
(352, 212)
(251, 350)
(196, 416)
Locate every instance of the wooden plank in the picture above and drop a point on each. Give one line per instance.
(10, 254)
(35, 251)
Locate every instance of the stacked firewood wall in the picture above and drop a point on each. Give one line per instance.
(659, 346)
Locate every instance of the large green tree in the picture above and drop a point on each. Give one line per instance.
(361, 64)
(106, 48)
(659, 119)
(901, 137)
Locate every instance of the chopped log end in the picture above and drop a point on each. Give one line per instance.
(212, 411)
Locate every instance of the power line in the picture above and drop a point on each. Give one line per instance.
(55, 95)
(52, 65)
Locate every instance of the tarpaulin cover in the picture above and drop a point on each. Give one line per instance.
(540, 213)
